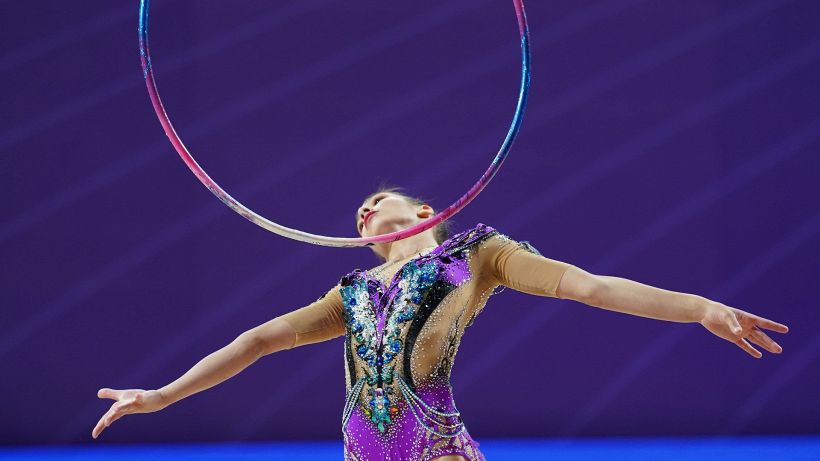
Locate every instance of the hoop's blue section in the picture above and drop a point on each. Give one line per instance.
(523, 96)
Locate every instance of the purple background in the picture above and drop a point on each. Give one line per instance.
(672, 143)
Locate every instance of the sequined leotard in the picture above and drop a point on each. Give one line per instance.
(402, 335)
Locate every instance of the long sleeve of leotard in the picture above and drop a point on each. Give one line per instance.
(520, 266)
(319, 321)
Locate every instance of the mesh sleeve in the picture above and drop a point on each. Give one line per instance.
(319, 321)
(520, 266)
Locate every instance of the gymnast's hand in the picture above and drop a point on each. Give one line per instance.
(128, 401)
(736, 326)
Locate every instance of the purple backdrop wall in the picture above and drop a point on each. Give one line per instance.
(673, 143)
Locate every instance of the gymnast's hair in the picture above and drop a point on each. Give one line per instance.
(441, 231)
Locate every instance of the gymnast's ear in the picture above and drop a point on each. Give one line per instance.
(425, 211)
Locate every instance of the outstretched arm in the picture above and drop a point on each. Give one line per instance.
(208, 372)
(318, 321)
(631, 297)
(213, 369)
(516, 266)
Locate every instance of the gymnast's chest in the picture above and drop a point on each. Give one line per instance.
(382, 314)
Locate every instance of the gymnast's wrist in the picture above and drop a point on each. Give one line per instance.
(168, 397)
(701, 307)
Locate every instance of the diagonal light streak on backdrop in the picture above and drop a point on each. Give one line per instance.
(131, 80)
(607, 81)
(653, 231)
(213, 121)
(67, 36)
(650, 354)
(803, 357)
(204, 126)
(85, 288)
(557, 194)
(533, 322)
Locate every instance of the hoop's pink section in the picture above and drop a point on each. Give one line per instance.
(522, 18)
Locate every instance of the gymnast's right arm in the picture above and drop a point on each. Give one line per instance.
(319, 321)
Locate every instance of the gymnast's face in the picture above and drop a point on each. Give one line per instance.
(388, 212)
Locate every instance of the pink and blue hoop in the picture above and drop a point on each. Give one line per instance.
(316, 239)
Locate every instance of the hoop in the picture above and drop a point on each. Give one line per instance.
(250, 215)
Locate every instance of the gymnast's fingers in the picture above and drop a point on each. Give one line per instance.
(748, 348)
(770, 324)
(763, 340)
(101, 425)
(106, 393)
(117, 411)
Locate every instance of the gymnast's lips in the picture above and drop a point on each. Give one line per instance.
(367, 216)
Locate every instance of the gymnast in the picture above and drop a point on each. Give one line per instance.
(403, 321)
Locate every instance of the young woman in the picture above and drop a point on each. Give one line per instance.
(404, 319)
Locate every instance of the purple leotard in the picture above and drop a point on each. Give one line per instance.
(402, 334)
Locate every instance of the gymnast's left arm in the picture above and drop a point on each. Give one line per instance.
(515, 266)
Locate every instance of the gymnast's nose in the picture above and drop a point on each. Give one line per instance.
(363, 212)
